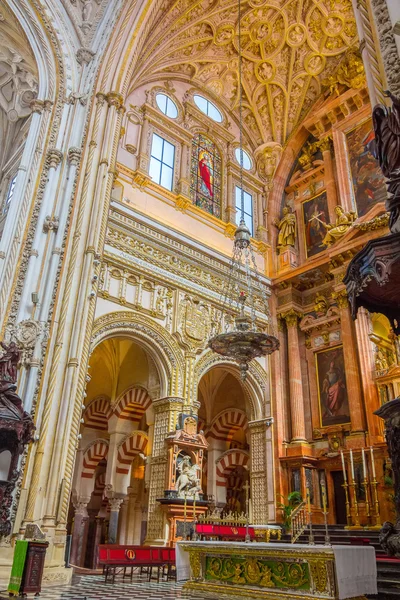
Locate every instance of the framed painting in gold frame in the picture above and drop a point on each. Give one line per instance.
(367, 179)
(314, 213)
(333, 397)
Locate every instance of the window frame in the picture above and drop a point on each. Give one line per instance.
(169, 99)
(161, 162)
(238, 207)
(9, 194)
(245, 154)
(209, 103)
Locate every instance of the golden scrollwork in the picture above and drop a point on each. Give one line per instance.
(350, 73)
(195, 564)
(319, 574)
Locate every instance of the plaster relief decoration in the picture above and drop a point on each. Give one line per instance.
(194, 321)
(288, 49)
(368, 181)
(332, 388)
(86, 14)
(18, 82)
(315, 218)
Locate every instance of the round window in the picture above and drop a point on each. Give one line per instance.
(247, 162)
(167, 106)
(208, 108)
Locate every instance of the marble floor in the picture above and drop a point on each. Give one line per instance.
(92, 587)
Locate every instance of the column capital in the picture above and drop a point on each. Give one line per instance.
(169, 403)
(115, 504)
(80, 505)
(74, 155)
(291, 317)
(54, 157)
(261, 424)
(341, 298)
(116, 99)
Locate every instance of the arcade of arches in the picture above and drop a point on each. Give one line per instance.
(120, 191)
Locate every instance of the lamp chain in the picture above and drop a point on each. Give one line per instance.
(240, 113)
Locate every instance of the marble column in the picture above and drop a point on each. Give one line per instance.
(166, 412)
(366, 357)
(98, 531)
(79, 531)
(115, 505)
(295, 380)
(184, 177)
(329, 178)
(353, 379)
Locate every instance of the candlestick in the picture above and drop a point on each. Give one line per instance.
(184, 516)
(356, 514)
(367, 507)
(194, 537)
(346, 492)
(377, 515)
(373, 463)
(327, 537)
(344, 467)
(364, 465)
(352, 465)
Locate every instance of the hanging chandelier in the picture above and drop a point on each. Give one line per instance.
(244, 296)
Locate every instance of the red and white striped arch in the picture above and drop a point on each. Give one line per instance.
(93, 455)
(99, 485)
(227, 423)
(131, 447)
(97, 413)
(228, 462)
(133, 404)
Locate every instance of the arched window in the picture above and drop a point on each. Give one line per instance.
(205, 177)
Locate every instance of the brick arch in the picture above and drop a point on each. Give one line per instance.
(132, 404)
(225, 425)
(228, 462)
(92, 456)
(97, 413)
(129, 448)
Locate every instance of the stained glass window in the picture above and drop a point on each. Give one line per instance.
(205, 176)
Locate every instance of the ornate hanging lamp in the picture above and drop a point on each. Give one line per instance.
(244, 294)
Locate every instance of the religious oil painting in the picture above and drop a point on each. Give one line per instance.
(332, 387)
(315, 215)
(368, 182)
(205, 176)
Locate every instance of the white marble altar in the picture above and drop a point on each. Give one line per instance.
(274, 570)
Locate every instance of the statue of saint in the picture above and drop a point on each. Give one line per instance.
(9, 362)
(287, 228)
(187, 483)
(344, 221)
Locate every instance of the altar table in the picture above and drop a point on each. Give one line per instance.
(277, 571)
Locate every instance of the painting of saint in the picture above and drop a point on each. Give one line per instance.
(315, 214)
(368, 182)
(205, 176)
(332, 389)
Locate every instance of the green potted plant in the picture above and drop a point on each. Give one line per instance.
(287, 507)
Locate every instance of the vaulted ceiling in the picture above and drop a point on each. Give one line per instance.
(289, 47)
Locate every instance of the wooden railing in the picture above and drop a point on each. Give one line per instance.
(299, 520)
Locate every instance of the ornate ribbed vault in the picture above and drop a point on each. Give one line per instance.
(289, 47)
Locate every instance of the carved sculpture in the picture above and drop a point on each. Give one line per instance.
(390, 534)
(386, 149)
(350, 73)
(187, 484)
(373, 274)
(16, 428)
(287, 228)
(344, 221)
